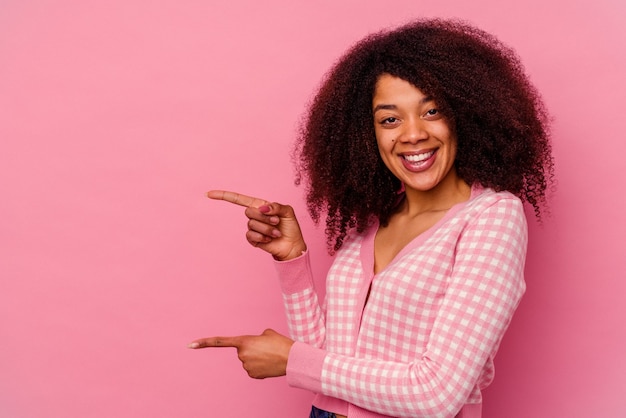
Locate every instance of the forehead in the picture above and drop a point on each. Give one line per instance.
(394, 89)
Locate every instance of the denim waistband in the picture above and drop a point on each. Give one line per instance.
(320, 413)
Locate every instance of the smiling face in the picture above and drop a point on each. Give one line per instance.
(414, 139)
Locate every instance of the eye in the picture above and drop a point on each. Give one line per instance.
(431, 113)
(389, 122)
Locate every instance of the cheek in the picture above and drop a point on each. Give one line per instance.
(385, 143)
(452, 147)
(384, 149)
(380, 145)
(380, 151)
(453, 151)
(387, 158)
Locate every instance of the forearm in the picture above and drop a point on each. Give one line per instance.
(305, 317)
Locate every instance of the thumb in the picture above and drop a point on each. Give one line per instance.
(277, 209)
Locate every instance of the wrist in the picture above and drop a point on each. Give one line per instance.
(296, 251)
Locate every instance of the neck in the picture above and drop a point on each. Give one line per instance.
(451, 191)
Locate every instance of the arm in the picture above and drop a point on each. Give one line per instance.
(483, 291)
(305, 317)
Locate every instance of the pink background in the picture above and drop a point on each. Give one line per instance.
(116, 116)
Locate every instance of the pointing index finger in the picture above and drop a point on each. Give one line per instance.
(236, 198)
(216, 342)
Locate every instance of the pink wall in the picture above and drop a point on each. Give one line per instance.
(116, 116)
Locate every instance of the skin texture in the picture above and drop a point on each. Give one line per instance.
(261, 356)
(272, 227)
(408, 123)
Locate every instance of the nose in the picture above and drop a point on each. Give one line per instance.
(414, 130)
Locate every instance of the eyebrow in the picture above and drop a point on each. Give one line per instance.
(384, 106)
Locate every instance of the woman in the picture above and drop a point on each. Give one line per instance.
(419, 149)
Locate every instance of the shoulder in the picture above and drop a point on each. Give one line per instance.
(483, 197)
(486, 213)
(487, 203)
(493, 220)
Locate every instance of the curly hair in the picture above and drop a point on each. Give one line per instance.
(480, 87)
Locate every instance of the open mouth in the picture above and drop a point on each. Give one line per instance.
(419, 161)
(418, 158)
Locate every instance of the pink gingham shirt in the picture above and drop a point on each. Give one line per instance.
(423, 345)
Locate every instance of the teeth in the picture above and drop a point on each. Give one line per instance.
(419, 157)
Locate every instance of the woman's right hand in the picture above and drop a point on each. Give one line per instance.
(272, 227)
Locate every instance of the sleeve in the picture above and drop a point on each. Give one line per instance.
(305, 316)
(484, 289)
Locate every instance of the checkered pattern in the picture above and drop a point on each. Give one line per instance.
(424, 343)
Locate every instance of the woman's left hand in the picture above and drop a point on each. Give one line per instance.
(262, 355)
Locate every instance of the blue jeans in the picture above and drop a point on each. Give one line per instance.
(318, 413)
